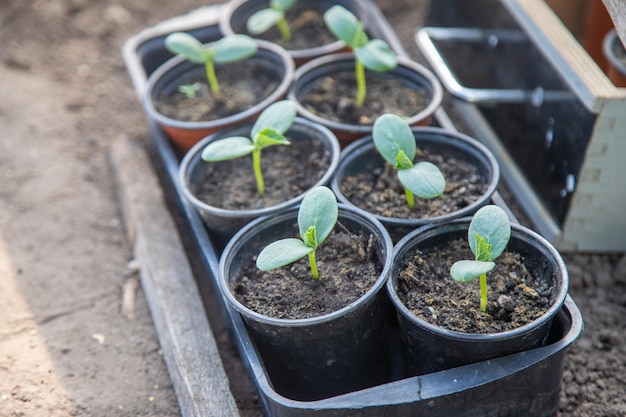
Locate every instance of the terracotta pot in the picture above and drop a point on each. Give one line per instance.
(172, 73)
(236, 13)
(616, 69)
(411, 74)
(429, 348)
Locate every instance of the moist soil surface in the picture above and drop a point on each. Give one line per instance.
(240, 90)
(347, 269)
(515, 296)
(67, 347)
(333, 97)
(307, 26)
(379, 190)
(288, 171)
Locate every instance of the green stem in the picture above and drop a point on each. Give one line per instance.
(256, 164)
(483, 292)
(284, 30)
(360, 83)
(211, 77)
(313, 265)
(409, 198)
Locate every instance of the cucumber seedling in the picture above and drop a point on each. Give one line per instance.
(489, 233)
(317, 217)
(229, 49)
(375, 54)
(395, 141)
(268, 130)
(262, 20)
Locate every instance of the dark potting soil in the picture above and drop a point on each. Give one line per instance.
(379, 191)
(308, 30)
(242, 85)
(288, 171)
(348, 267)
(515, 296)
(334, 98)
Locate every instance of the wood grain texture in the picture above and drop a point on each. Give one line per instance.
(188, 345)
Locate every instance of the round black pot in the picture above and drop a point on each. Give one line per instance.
(237, 12)
(362, 155)
(615, 55)
(318, 357)
(224, 223)
(412, 75)
(429, 348)
(174, 72)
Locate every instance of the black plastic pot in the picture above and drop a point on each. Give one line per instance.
(174, 72)
(429, 348)
(615, 55)
(224, 223)
(318, 357)
(362, 155)
(413, 76)
(233, 20)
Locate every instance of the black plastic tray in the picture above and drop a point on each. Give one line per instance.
(526, 383)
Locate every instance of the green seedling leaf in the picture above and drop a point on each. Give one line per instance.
(233, 48)
(489, 233)
(281, 253)
(492, 224)
(318, 210)
(267, 131)
(279, 116)
(483, 249)
(424, 180)
(377, 56)
(392, 135)
(229, 148)
(282, 4)
(345, 26)
(395, 141)
(466, 270)
(263, 20)
(269, 137)
(317, 217)
(186, 45)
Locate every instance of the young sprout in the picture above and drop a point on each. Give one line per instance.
(395, 141)
(489, 233)
(316, 219)
(229, 49)
(189, 90)
(375, 54)
(264, 19)
(267, 131)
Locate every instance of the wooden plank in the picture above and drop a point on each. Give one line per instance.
(563, 51)
(189, 348)
(617, 10)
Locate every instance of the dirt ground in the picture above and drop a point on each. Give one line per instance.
(72, 341)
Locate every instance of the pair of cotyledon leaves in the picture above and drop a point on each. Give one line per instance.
(489, 233)
(317, 217)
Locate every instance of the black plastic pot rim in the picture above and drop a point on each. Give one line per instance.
(517, 232)
(348, 57)
(607, 47)
(199, 147)
(167, 66)
(364, 144)
(297, 54)
(289, 215)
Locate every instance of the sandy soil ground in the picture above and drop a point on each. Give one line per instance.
(69, 343)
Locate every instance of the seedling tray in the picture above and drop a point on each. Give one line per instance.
(526, 383)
